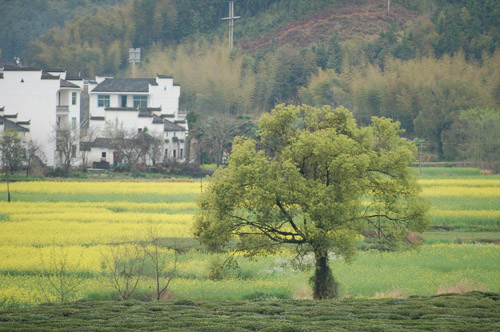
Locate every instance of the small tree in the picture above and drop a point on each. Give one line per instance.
(304, 184)
(125, 265)
(155, 148)
(159, 256)
(34, 155)
(13, 153)
(87, 136)
(131, 146)
(57, 272)
(67, 142)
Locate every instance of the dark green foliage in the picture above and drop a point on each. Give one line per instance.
(23, 21)
(471, 312)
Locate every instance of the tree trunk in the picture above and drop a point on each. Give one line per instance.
(325, 286)
(440, 149)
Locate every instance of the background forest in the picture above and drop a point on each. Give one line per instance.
(433, 65)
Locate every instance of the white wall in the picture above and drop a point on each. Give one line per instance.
(166, 95)
(34, 99)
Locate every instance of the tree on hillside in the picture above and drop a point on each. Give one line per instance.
(479, 132)
(215, 133)
(441, 105)
(303, 184)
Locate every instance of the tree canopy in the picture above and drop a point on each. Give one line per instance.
(314, 180)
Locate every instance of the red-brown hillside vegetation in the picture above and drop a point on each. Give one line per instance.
(350, 20)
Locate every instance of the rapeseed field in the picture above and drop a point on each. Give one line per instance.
(81, 221)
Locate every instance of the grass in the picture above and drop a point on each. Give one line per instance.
(475, 311)
(451, 172)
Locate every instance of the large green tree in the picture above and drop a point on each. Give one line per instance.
(307, 182)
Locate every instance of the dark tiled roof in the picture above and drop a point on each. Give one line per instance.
(168, 115)
(165, 76)
(133, 109)
(106, 142)
(11, 125)
(125, 85)
(145, 114)
(66, 84)
(97, 118)
(47, 76)
(169, 126)
(11, 116)
(121, 109)
(101, 142)
(73, 78)
(55, 70)
(177, 84)
(18, 68)
(157, 120)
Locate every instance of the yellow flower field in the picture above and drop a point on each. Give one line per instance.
(82, 220)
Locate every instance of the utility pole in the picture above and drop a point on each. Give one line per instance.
(231, 19)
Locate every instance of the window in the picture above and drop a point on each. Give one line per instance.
(174, 154)
(103, 155)
(73, 98)
(73, 151)
(124, 101)
(180, 155)
(73, 123)
(103, 101)
(140, 101)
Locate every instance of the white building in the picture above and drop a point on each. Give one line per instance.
(46, 103)
(44, 100)
(139, 105)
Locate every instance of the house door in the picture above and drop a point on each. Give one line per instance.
(116, 160)
(124, 101)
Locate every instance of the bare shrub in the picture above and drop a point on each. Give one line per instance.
(303, 293)
(393, 294)
(57, 272)
(159, 256)
(125, 265)
(461, 287)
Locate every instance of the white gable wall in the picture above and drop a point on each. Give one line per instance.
(166, 95)
(33, 99)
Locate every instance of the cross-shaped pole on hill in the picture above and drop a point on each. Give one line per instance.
(231, 19)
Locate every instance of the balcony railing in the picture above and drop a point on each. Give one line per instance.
(62, 109)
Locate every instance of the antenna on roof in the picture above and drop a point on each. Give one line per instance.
(231, 19)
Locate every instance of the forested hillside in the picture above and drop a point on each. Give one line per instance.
(22, 21)
(423, 63)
